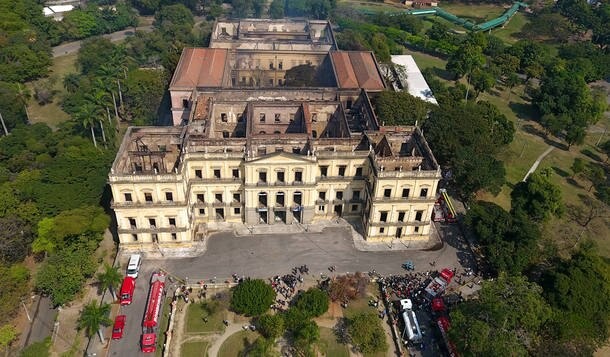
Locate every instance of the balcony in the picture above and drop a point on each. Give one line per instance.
(172, 229)
(218, 204)
(216, 180)
(321, 201)
(146, 204)
(235, 203)
(405, 200)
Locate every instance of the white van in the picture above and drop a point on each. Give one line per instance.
(133, 267)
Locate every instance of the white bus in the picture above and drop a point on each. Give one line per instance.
(412, 332)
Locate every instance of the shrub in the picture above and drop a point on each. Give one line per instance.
(252, 297)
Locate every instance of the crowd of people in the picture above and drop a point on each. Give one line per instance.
(411, 285)
(286, 286)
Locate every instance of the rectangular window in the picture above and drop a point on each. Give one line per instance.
(216, 173)
(419, 215)
(356, 195)
(128, 197)
(322, 195)
(172, 222)
(387, 193)
(202, 211)
(277, 118)
(359, 171)
(423, 193)
(225, 134)
(383, 216)
(354, 208)
(262, 117)
(198, 173)
(174, 236)
(314, 117)
(348, 104)
(416, 229)
(405, 193)
(339, 195)
(262, 176)
(218, 197)
(235, 173)
(341, 170)
(237, 210)
(134, 237)
(298, 176)
(321, 208)
(401, 216)
(223, 117)
(382, 230)
(200, 198)
(132, 223)
(169, 196)
(236, 197)
(291, 118)
(148, 197)
(280, 176)
(323, 171)
(152, 222)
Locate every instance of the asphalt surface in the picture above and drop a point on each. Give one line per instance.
(43, 318)
(72, 47)
(263, 256)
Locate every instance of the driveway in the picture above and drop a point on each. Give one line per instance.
(263, 256)
(72, 47)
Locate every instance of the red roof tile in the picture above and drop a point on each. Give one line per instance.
(200, 67)
(356, 69)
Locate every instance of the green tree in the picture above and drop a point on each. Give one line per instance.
(306, 335)
(400, 108)
(578, 290)
(110, 279)
(538, 196)
(504, 321)
(366, 333)
(271, 326)
(92, 317)
(13, 287)
(174, 15)
(64, 273)
(242, 8)
(314, 302)
(595, 174)
(252, 297)
(8, 334)
(482, 81)
(143, 94)
(578, 166)
(511, 81)
(605, 148)
(262, 347)
(276, 9)
(465, 60)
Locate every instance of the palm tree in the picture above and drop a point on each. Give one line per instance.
(110, 279)
(71, 82)
(92, 316)
(86, 115)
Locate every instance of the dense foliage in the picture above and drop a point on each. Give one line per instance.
(252, 297)
(366, 333)
(400, 108)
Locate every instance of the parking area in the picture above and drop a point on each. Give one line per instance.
(263, 256)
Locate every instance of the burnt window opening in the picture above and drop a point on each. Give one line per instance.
(223, 117)
(132, 223)
(218, 197)
(262, 177)
(148, 197)
(174, 236)
(423, 193)
(322, 195)
(387, 193)
(216, 173)
(235, 173)
(359, 171)
(128, 197)
(401, 216)
(356, 195)
(152, 222)
(298, 176)
(172, 222)
(200, 198)
(342, 170)
(280, 176)
(237, 197)
(185, 103)
(323, 171)
(199, 173)
(169, 196)
(225, 134)
(419, 215)
(339, 195)
(383, 216)
(405, 192)
(262, 117)
(277, 117)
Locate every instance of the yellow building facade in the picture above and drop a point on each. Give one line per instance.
(279, 154)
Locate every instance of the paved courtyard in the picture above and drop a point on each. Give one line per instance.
(263, 256)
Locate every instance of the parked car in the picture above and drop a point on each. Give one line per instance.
(119, 326)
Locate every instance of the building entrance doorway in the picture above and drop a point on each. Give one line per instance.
(262, 216)
(338, 210)
(297, 214)
(280, 216)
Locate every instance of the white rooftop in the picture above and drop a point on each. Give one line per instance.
(54, 9)
(416, 83)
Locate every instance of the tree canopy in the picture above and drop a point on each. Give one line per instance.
(366, 333)
(504, 321)
(538, 197)
(252, 297)
(400, 108)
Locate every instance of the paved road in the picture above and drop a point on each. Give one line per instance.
(43, 317)
(72, 47)
(264, 256)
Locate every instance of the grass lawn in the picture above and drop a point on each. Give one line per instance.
(195, 323)
(358, 306)
(329, 346)
(194, 349)
(52, 114)
(237, 343)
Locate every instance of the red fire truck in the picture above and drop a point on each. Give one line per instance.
(444, 326)
(443, 209)
(151, 315)
(438, 285)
